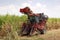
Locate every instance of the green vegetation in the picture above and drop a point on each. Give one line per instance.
(53, 23)
(10, 25)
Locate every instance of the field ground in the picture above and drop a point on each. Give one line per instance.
(50, 35)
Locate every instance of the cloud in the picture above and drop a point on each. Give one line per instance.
(30, 1)
(11, 9)
(38, 7)
(54, 11)
(14, 10)
(26, 4)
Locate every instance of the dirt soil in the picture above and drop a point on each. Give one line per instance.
(50, 35)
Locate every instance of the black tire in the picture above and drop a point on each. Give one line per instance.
(25, 31)
(42, 32)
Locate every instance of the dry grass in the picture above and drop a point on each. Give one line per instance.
(50, 35)
(10, 25)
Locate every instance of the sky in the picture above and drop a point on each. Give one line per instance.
(48, 7)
